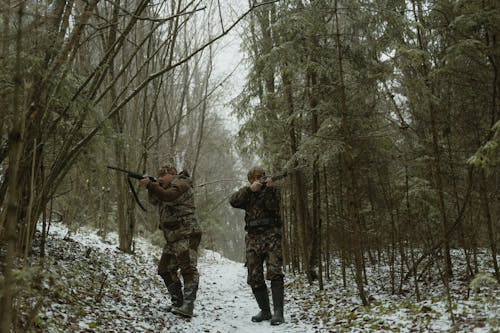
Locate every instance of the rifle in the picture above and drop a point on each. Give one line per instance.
(278, 176)
(135, 175)
(131, 174)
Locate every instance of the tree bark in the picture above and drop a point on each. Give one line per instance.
(16, 143)
(297, 180)
(489, 222)
(349, 170)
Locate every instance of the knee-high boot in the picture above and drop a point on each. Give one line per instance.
(262, 299)
(277, 288)
(175, 291)
(187, 307)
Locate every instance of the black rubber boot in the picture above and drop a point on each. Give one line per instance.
(185, 310)
(187, 307)
(263, 300)
(278, 295)
(175, 290)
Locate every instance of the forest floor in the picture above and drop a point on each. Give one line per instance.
(87, 285)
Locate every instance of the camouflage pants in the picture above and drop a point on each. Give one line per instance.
(260, 248)
(180, 253)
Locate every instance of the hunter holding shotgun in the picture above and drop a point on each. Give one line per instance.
(261, 202)
(173, 194)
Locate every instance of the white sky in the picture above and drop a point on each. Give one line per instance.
(229, 59)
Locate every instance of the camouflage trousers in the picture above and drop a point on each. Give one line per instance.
(260, 248)
(180, 253)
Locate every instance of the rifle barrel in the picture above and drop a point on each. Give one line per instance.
(275, 177)
(279, 176)
(131, 174)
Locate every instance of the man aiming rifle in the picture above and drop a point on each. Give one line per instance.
(261, 202)
(173, 194)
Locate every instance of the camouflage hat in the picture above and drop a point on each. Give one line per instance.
(255, 171)
(167, 168)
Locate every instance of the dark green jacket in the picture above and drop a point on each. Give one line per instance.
(259, 205)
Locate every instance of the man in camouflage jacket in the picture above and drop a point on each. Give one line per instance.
(261, 203)
(173, 195)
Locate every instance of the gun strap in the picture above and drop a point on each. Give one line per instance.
(134, 193)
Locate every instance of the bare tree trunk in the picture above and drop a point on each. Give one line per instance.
(29, 229)
(457, 200)
(393, 233)
(341, 224)
(117, 121)
(201, 128)
(442, 206)
(316, 249)
(286, 231)
(289, 247)
(489, 222)
(4, 98)
(16, 137)
(315, 229)
(6, 27)
(492, 41)
(327, 227)
(409, 223)
(298, 185)
(348, 166)
(436, 162)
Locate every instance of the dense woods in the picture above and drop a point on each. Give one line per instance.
(385, 113)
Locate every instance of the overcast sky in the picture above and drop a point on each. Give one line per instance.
(229, 59)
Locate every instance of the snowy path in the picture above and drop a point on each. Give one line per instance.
(106, 290)
(225, 302)
(91, 286)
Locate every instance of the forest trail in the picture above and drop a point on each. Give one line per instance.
(91, 286)
(225, 302)
(101, 289)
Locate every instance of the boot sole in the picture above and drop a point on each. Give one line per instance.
(182, 314)
(259, 321)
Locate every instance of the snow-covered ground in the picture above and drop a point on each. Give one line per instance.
(110, 291)
(87, 285)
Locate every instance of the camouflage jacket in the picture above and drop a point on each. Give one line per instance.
(175, 203)
(259, 206)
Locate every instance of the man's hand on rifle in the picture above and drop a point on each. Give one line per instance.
(258, 186)
(164, 180)
(269, 181)
(144, 182)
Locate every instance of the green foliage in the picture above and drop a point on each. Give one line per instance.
(30, 286)
(488, 155)
(483, 280)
